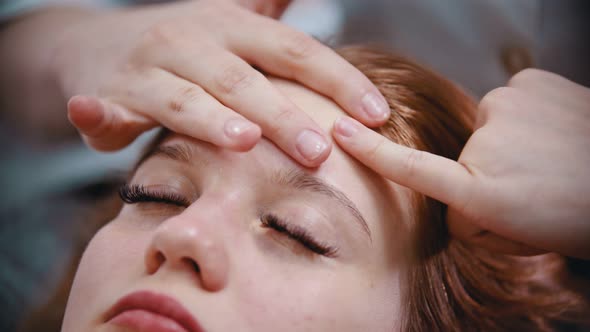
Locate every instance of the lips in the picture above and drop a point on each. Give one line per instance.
(149, 311)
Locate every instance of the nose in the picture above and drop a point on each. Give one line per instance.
(187, 243)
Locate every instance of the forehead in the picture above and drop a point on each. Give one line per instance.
(321, 109)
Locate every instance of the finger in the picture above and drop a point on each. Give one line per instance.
(467, 231)
(271, 8)
(440, 178)
(105, 126)
(288, 53)
(186, 108)
(245, 90)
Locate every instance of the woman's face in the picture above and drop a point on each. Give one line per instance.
(247, 242)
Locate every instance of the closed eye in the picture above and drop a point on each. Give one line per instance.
(136, 193)
(298, 234)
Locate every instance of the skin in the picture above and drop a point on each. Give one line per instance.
(252, 278)
(184, 65)
(521, 184)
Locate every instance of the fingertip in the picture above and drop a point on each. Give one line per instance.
(371, 109)
(375, 108)
(247, 139)
(312, 148)
(319, 160)
(85, 113)
(240, 134)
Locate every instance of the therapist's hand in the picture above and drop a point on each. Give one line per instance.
(522, 183)
(187, 66)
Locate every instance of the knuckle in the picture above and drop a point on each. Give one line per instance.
(151, 42)
(298, 45)
(496, 99)
(162, 33)
(526, 77)
(285, 115)
(272, 129)
(233, 79)
(185, 97)
(374, 152)
(412, 162)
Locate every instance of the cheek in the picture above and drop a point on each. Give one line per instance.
(108, 264)
(312, 298)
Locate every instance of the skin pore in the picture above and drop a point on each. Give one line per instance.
(252, 241)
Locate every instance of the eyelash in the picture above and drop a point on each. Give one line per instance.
(135, 193)
(298, 234)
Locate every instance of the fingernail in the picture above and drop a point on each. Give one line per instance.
(375, 106)
(236, 127)
(346, 127)
(311, 144)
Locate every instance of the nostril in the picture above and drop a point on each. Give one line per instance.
(160, 258)
(192, 263)
(153, 262)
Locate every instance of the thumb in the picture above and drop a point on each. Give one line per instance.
(271, 8)
(435, 176)
(105, 126)
(468, 231)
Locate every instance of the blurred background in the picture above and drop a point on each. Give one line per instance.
(50, 182)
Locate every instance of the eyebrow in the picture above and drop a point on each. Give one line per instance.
(293, 178)
(178, 152)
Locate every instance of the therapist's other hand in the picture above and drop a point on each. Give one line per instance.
(522, 182)
(187, 66)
